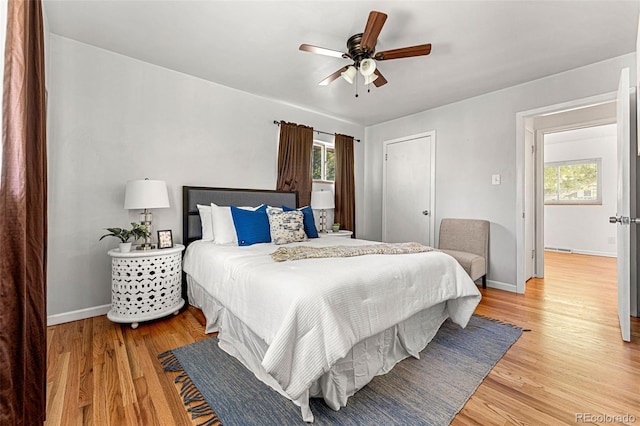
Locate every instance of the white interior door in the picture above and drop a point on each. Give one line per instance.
(407, 213)
(623, 213)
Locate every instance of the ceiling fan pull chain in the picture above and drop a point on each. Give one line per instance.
(356, 85)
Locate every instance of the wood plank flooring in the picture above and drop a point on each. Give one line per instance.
(570, 368)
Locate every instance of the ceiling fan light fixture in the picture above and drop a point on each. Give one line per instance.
(349, 74)
(361, 51)
(367, 67)
(368, 79)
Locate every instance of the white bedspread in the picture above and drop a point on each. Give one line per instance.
(312, 312)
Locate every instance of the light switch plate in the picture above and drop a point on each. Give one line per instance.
(495, 179)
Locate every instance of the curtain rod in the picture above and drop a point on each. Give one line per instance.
(277, 123)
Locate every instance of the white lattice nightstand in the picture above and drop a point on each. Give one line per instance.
(145, 284)
(346, 234)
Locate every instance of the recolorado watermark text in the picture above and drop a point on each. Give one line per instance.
(605, 418)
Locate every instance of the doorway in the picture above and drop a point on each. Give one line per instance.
(563, 124)
(530, 129)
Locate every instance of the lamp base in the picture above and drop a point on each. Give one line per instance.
(145, 220)
(323, 222)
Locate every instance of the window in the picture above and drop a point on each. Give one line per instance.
(573, 182)
(323, 164)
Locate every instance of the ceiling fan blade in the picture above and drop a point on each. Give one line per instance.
(372, 30)
(404, 52)
(332, 77)
(380, 81)
(323, 51)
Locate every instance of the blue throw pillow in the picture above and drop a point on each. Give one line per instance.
(252, 226)
(308, 220)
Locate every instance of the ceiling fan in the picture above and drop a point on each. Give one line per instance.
(362, 50)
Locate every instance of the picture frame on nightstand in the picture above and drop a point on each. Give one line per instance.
(165, 239)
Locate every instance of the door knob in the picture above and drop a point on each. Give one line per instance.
(425, 212)
(624, 220)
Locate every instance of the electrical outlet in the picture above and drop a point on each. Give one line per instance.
(495, 179)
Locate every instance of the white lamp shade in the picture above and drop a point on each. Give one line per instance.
(349, 74)
(146, 194)
(370, 78)
(367, 67)
(322, 200)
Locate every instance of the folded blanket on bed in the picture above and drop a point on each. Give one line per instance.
(307, 252)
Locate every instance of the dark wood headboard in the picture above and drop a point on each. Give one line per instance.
(194, 195)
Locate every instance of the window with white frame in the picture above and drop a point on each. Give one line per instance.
(323, 162)
(573, 182)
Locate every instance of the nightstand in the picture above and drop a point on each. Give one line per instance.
(340, 233)
(145, 284)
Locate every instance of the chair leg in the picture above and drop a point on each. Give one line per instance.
(484, 281)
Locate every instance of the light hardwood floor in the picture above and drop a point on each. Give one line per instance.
(571, 365)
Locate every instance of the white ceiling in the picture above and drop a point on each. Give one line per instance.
(478, 46)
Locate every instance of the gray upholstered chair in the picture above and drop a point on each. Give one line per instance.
(467, 240)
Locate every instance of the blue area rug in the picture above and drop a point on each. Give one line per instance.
(426, 391)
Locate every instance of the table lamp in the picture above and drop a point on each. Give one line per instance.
(322, 200)
(146, 194)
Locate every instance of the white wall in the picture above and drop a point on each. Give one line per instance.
(476, 138)
(113, 119)
(584, 228)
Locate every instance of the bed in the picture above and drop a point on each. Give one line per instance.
(321, 327)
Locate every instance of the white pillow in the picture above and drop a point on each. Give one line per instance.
(224, 232)
(206, 221)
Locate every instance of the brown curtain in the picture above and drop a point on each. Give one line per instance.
(294, 161)
(23, 220)
(345, 212)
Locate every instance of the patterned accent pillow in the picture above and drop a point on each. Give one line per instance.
(309, 222)
(286, 227)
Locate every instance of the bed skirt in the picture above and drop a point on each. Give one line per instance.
(371, 357)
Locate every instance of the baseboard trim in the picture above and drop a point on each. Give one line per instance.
(596, 253)
(585, 252)
(502, 286)
(77, 315)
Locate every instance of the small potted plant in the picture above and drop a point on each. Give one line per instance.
(137, 231)
(335, 227)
